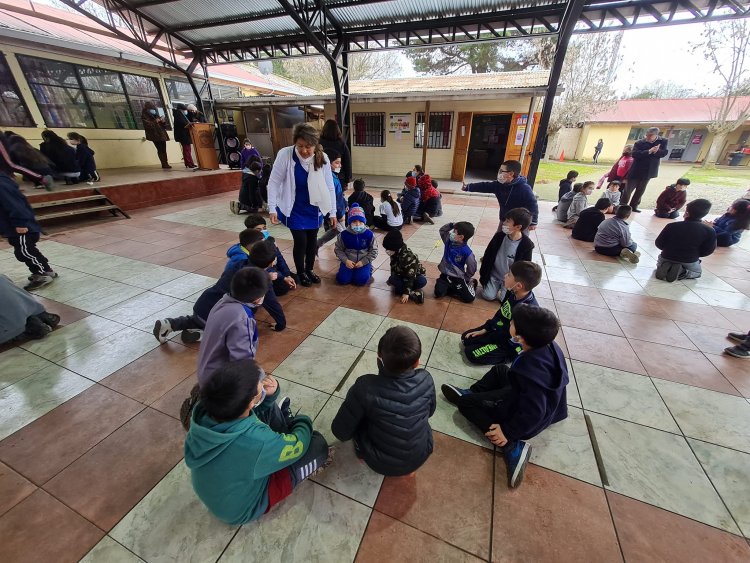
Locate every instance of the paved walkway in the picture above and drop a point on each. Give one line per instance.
(91, 449)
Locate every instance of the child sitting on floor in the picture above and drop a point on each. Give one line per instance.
(729, 227)
(490, 344)
(407, 274)
(458, 266)
(506, 247)
(579, 203)
(613, 194)
(684, 243)
(561, 210)
(613, 237)
(390, 217)
(409, 199)
(590, 219)
(386, 415)
(513, 404)
(671, 200)
(364, 200)
(285, 280)
(244, 452)
(356, 248)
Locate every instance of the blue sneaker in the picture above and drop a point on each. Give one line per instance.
(516, 458)
(453, 393)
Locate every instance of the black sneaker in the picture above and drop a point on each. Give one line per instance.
(737, 352)
(162, 330)
(427, 219)
(516, 459)
(285, 407)
(417, 297)
(191, 335)
(304, 280)
(452, 393)
(35, 328)
(186, 409)
(738, 337)
(50, 319)
(312, 276)
(634, 210)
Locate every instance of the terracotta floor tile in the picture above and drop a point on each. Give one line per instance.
(372, 300)
(305, 315)
(43, 529)
(431, 313)
(213, 271)
(130, 249)
(13, 488)
(570, 293)
(651, 535)
(67, 313)
(105, 483)
(682, 366)
(274, 347)
(739, 285)
(42, 449)
(740, 318)
(417, 500)
(736, 370)
(694, 313)
(588, 318)
(602, 349)
(460, 318)
(708, 339)
(327, 292)
(171, 402)
(653, 329)
(387, 539)
(634, 304)
(569, 518)
(154, 373)
(165, 257)
(196, 262)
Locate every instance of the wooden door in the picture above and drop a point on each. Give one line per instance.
(460, 153)
(532, 140)
(515, 136)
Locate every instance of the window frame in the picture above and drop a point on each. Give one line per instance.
(369, 114)
(88, 104)
(17, 90)
(431, 139)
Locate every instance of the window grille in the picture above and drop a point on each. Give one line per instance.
(369, 129)
(440, 133)
(13, 110)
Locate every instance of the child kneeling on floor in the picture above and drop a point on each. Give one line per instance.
(245, 453)
(285, 279)
(513, 404)
(490, 343)
(356, 248)
(458, 266)
(684, 243)
(407, 274)
(386, 415)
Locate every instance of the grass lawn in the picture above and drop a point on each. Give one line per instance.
(721, 186)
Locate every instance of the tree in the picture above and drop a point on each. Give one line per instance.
(315, 72)
(662, 90)
(494, 56)
(587, 76)
(725, 45)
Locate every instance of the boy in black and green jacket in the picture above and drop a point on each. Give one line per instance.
(407, 274)
(244, 452)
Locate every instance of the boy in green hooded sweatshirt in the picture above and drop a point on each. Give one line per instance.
(244, 452)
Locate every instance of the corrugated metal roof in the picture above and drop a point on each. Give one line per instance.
(681, 110)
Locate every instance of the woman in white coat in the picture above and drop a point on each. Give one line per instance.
(300, 194)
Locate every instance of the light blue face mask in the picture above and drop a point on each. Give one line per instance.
(358, 228)
(265, 234)
(152, 111)
(184, 112)
(452, 236)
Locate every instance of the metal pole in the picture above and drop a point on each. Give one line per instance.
(528, 130)
(425, 134)
(219, 135)
(565, 31)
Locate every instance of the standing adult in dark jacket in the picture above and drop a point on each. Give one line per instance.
(62, 155)
(647, 154)
(331, 138)
(510, 189)
(182, 133)
(386, 415)
(156, 131)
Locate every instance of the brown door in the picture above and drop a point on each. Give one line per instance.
(463, 134)
(515, 137)
(530, 148)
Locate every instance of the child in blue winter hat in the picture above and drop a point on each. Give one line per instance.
(356, 247)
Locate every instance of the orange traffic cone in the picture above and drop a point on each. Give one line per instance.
(562, 156)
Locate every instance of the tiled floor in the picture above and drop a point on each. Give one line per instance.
(652, 464)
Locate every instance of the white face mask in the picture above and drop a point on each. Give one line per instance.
(390, 252)
(504, 177)
(307, 160)
(337, 169)
(507, 230)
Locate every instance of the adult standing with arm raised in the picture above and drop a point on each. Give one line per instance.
(511, 190)
(331, 138)
(156, 131)
(300, 194)
(647, 154)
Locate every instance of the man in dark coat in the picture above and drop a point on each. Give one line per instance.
(510, 189)
(647, 153)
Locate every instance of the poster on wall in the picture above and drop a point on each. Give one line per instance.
(399, 122)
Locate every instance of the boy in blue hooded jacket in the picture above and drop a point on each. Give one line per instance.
(244, 452)
(513, 404)
(356, 248)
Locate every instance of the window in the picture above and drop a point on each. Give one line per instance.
(369, 129)
(636, 134)
(13, 110)
(439, 134)
(78, 96)
(180, 90)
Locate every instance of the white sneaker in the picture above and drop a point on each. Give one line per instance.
(629, 255)
(162, 330)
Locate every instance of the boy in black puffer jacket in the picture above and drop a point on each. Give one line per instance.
(386, 415)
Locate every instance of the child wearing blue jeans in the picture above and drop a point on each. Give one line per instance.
(356, 247)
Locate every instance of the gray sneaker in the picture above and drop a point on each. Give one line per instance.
(39, 280)
(629, 255)
(427, 219)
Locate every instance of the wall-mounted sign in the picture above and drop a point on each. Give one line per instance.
(399, 122)
(697, 139)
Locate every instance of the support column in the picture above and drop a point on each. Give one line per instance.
(219, 136)
(567, 24)
(340, 74)
(425, 134)
(529, 129)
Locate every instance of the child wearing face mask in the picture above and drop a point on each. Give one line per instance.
(286, 279)
(579, 203)
(511, 404)
(506, 247)
(341, 208)
(409, 199)
(407, 274)
(490, 343)
(458, 266)
(356, 248)
(387, 414)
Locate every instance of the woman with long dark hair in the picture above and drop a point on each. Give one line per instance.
(730, 226)
(390, 218)
(300, 194)
(84, 156)
(24, 155)
(156, 131)
(332, 139)
(62, 155)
